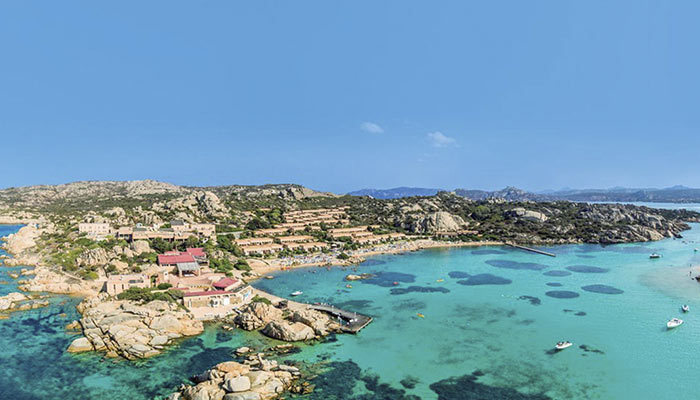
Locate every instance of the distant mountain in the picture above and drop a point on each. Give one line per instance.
(509, 194)
(673, 194)
(395, 193)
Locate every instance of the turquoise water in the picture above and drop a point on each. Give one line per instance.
(505, 330)
(491, 315)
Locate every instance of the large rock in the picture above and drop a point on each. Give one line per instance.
(11, 300)
(528, 215)
(93, 257)
(133, 330)
(141, 246)
(257, 315)
(242, 396)
(80, 345)
(288, 332)
(318, 321)
(240, 383)
(440, 221)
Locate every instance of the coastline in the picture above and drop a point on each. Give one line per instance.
(262, 268)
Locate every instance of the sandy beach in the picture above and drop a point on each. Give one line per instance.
(263, 267)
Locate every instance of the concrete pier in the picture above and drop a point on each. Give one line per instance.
(354, 322)
(517, 246)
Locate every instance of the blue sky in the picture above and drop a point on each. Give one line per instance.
(345, 95)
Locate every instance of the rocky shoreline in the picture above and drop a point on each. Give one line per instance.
(252, 377)
(125, 329)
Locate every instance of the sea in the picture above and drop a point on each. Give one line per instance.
(453, 323)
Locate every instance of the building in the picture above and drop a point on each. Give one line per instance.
(171, 259)
(119, 283)
(94, 229)
(227, 284)
(211, 298)
(125, 233)
(262, 249)
(188, 269)
(254, 241)
(271, 232)
(294, 239)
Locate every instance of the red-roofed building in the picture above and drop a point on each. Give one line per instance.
(196, 251)
(192, 254)
(171, 260)
(226, 284)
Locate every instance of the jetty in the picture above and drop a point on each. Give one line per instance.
(353, 322)
(530, 249)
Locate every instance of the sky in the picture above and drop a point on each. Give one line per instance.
(346, 95)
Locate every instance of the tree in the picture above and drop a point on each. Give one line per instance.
(160, 245)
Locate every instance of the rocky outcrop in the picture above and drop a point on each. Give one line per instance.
(199, 203)
(255, 378)
(288, 331)
(321, 323)
(353, 277)
(256, 315)
(140, 247)
(47, 280)
(527, 215)
(21, 241)
(20, 302)
(122, 328)
(93, 257)
(439, 221)
(300, 324)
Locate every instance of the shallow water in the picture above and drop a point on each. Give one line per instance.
(501, 329)
(505, 326)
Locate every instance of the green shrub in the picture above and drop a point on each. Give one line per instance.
(259, 299)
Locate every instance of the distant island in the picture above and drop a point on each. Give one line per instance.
(674, 194)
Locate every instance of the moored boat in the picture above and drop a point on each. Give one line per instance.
(674, 322)
(297, 293)
(685, 308)
(654, 255)
(563, 345)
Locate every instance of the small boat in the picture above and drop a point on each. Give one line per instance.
(654, 255)
(349, 286)
(696, 250)
(269, 277)
(674, 322)
(420, 315)
(685, 308)
(563, 345)
(396, 283)
(297, 293)
(440, 280)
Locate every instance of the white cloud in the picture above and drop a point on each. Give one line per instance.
(371, 127)
(438, 139)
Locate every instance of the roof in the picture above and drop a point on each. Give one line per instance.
(195, 251)
(225, 282)
(209, 293)
(175, 258)
(177, 222)
(188, 266)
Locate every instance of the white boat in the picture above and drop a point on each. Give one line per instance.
(685, 308)
(654, 255)
(297, 293)
(674, 322)
(563, 345)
